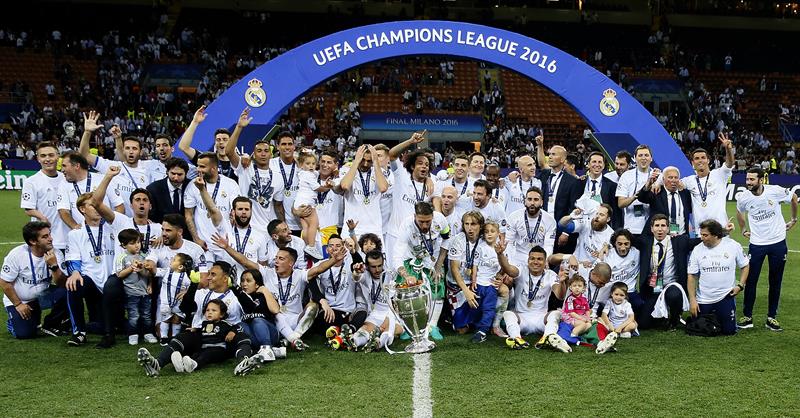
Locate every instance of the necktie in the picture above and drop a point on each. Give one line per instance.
(661, 260)
(594, 187)
(673, 209)
(176, 200)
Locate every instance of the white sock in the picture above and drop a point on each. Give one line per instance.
(551, 323)
(502, 304)
(294, 336)
(308, 318)
(437, 311)
(512, 324)
(360, 338)
(387, 338)
(176, 329)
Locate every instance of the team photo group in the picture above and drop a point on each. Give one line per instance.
(227, 254)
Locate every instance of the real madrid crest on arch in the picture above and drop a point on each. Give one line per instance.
(609, 105)
(255, 95)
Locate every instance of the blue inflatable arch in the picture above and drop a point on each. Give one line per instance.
(618, 119)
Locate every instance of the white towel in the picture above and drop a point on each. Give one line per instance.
(660, 310)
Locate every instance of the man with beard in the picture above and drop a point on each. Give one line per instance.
(767, 234)
(221, 137)
(287, 185)
(281, 237)
(223, 190)
(157, 165)
(78, 182)
(412, 185)
(460, 181)
(159, 259)
(669, 201)
(601, 189)
(533, 285)
(499, 194)
(624, 263)
(136, 176)
(255, 180)
(530, 227)
(168, 193)
(519, 183)
(593, 236)
(362, 198)
(622, 162)
(140, 203)
(329, 205)
(244, 238)
(481, 201)
(28, 271)
(709, 187)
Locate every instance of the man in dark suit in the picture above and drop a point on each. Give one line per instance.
(168, 192)
(560, 190)
(675, 204)
(663, 260)
(596, 186)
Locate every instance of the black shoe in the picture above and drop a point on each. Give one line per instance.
(77, 340)
(479, 337)
(107, 341)
(52, 332)
(164, 342)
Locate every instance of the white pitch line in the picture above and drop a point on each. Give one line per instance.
(421, 393)
(11, 243)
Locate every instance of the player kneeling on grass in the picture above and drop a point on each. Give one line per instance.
(533, 285)
(190, 341)
(380, 328)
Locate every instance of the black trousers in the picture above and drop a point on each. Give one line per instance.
(674, 302)
(189, 343)
(106, 308)
(356, 319)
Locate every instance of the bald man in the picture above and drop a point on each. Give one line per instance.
(560, 190)
(519, 183)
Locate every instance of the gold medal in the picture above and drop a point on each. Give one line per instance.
(366, 201)
(97, 259)
(260, 200)
(530, 304)
(704, 204)
(319, 206)
(283, 308)
(469, 272)
(287, 193)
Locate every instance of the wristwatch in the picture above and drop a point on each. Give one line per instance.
(739, 285)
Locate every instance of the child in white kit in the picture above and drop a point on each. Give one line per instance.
(307, 196)
(618, 312)
(173, 286)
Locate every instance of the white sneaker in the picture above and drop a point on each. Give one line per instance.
(313, 252)
(189, 365)
(150, 338)
(558, 343)
(280, 352)
(625, 335)
(607, 343)
(177, 361)
(266, 353)
(133, 339)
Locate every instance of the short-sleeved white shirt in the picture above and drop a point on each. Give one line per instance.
(356, 208)
(590, 240)
(338, 286)
(517, 191)
(767, 225)
(297, 244)
(17, 270)
(260, 190)
(79, 248)
(716, 268)
(628, 184)
(203, 296)
(716, 184)
(69, 193)
(411, 241)
(540, 230)
(624, 269)
(292, 292)
(40, 192)
(525, 287)
(617, 314)
(291, 183)
(405, 195)
(228, 190)
(163, 255)
(128, 180)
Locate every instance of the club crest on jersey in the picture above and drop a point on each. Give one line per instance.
(770, 202)
(609, 105)
(255, 95)
(725, 254)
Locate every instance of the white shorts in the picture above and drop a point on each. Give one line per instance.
(531, 323)
(302, 200)
(165, 312)
(376, 317)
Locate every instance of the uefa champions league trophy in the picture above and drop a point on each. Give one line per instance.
(412, 304)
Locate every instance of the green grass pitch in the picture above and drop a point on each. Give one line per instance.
(658, 374)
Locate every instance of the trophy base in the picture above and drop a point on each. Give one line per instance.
(421, 346)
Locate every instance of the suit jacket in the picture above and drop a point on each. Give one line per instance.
(569, 190)
(681, 246)
(608, 191)
(658, 204)
(162, 199)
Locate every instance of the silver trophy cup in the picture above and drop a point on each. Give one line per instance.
(413, 307)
